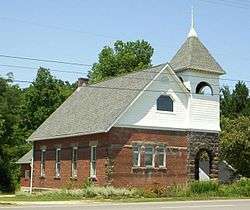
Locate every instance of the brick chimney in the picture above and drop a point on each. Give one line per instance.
(82, 82)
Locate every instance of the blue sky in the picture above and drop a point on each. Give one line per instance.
(76, 30)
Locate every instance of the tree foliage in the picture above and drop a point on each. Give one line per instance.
(235, 124)
(125, 57)
(235, 143)
(42, 98)
(237, 102)
(21, 112)
(10, 146)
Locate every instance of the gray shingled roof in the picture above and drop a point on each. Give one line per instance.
(93, 109)
(194, 55)
(26, 158)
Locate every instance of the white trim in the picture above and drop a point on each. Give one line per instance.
(135, 99)
(153, 155)
(164, 155)
(138, 153)
(74, 170)
(58, 162)
(167, 128)
(177, 79)
(92, 172)
(42, 162)
(145, 88)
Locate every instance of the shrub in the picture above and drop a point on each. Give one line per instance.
(199, 187)
(193, 190)
(87, 183)
(239, 188)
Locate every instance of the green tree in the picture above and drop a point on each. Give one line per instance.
(125, 57)
(236, 103)
(42, 98)
(21, 112)
(235, 143)
(10, 146)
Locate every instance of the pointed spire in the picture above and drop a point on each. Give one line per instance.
(192, 32)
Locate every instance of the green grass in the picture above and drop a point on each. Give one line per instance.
(191, 191)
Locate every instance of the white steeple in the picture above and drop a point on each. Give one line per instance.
(192, 32)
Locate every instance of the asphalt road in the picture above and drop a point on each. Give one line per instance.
(189, 205)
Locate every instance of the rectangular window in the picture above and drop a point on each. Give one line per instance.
(74, 162)
(161, 156)
(58, 162)
(136, 156)
(93, 161)
(27, 174)
(42, 166)
(149, 156)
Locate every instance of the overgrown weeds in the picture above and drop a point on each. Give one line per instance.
(190, 191)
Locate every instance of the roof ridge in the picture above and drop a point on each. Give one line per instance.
(89, 110)
(126, 74)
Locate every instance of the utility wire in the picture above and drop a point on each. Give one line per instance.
(223, 3)
(128, 89)
(146, 71)
(44, 60)
(36, 68)
(237, 2)
(57, 27)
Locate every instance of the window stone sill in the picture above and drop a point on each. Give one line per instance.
(73, 178)
(93, 178)
(57, 177)
(149, 168)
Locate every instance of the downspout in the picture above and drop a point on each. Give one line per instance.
(31, 168)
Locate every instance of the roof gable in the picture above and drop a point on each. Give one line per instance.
(194, 55)
(94, 108)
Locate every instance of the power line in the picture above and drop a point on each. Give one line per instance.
(44, 60)
(36, 68)
(153, 72)
(56, 27)
(240, 3)
(129, 89)
(202, 77)
(224, 3)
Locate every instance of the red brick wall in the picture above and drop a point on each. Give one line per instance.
(66, 144)
(23, 181)
(117, 145)
(176, 157)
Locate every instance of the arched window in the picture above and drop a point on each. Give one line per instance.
(165, 103)
(204, 88)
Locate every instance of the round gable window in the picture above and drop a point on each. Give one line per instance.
(165, 103)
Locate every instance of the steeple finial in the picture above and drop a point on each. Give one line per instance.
(192, 32)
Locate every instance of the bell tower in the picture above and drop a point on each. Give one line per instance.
(200, 73)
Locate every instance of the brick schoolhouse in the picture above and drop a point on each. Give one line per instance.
(141, 129)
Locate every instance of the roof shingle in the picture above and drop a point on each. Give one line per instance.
(194, 55)
(94, 108)
(26, 158)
